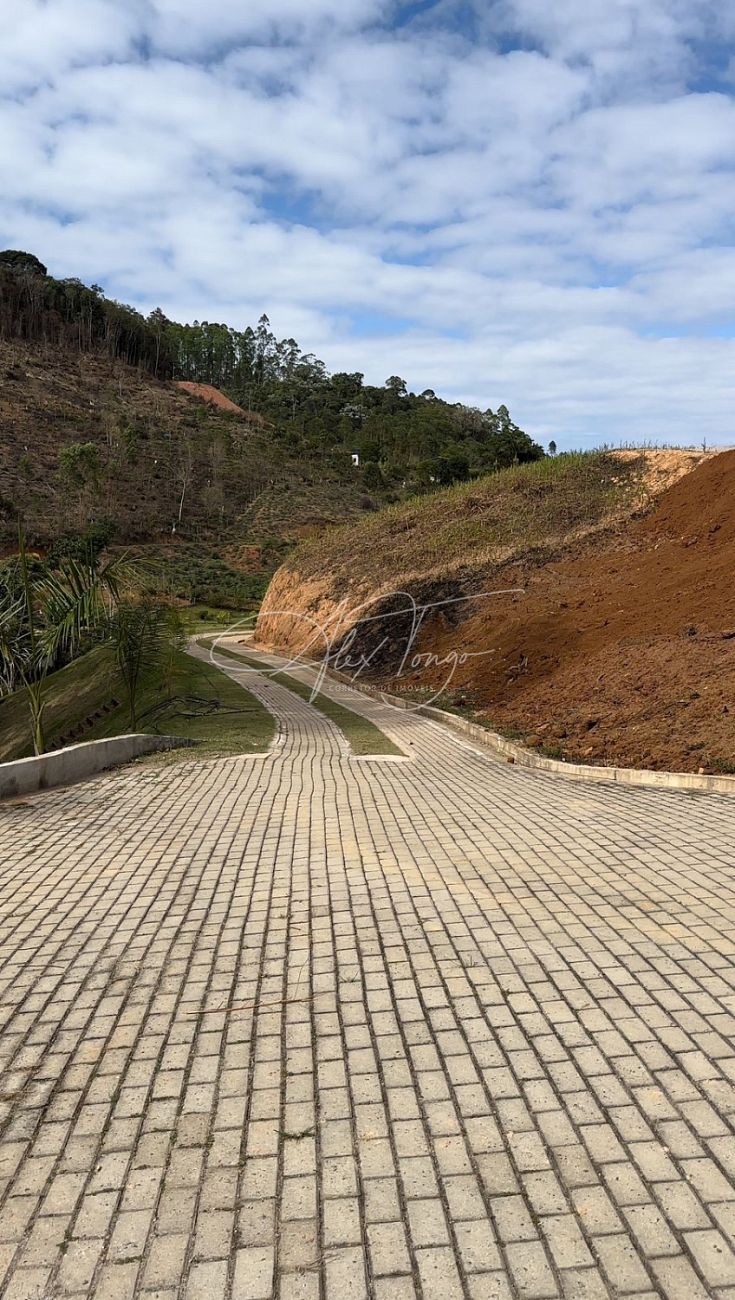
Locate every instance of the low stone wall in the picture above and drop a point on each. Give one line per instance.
(75, 762)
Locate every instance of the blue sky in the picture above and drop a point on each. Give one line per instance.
(504, 200)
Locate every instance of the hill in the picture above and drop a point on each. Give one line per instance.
(86, 439)
(92, 445)
(218, 446)
(403, 439)
(618, 645)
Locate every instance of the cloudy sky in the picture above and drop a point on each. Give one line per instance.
(504, 200)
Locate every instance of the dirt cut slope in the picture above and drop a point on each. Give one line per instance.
(623, 653)
(621, 647)
(213, 397)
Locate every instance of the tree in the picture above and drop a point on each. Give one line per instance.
(23, 263)
(396, 385)
(372, 476)
(46, 614)
(158, 324)
(453, 467)
(145, 632)
(552, 448)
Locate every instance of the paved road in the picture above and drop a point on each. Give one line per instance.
(319, 1028)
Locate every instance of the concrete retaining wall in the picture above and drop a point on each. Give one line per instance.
(75, 762)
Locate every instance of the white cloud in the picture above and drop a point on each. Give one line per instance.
(192, 28)
(536, 208)
(42, 40)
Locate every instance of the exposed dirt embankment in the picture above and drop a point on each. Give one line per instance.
(619, 647)
(214, 398)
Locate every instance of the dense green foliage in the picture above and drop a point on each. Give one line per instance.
(401, 437)
(406, 441)
(47, 615)
(36, 307)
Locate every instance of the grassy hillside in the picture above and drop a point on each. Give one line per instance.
(523, 507)
(443, 544)
(85, 701)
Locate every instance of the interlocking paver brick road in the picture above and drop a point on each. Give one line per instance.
(310, 1027)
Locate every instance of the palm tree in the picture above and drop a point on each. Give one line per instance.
(145, 633)
(45, 616)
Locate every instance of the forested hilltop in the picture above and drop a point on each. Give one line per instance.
(406, 441)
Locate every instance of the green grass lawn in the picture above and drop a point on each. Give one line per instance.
(198, 701)
(206, 618)
(363, 736)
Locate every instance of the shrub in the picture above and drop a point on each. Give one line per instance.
(80, 462)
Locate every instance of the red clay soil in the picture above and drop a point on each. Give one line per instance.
(623, 653)
(211, 395)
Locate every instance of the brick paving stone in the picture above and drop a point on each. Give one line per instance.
(565, 1241)
(622, 1264)
(530, 1271)
(253, 1278)
(678, 1281)
(28, 1284)
(439, 1273)
(478, 1252)
(345, 1274)
(490, 1286)
(713, 1255)
(299, 1286)
(388, 1249)
(300, 1027)
(207, 1281)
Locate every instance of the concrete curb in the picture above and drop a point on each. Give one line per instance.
(521, 757)
(76, 762)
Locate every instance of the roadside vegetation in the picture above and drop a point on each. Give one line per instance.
(516, 509)
(85, 701)
(87, 648)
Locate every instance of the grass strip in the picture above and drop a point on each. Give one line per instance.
(203, 704)
(363, 736)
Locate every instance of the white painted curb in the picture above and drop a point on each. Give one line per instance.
(75, 762)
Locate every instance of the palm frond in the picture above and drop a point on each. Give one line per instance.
(14, 642)
(75, 601)
(141, 633)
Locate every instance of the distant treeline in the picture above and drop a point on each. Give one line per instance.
(417, 439)
(67, 313)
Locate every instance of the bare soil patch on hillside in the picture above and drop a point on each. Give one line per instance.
(621, 653)
(212, 396)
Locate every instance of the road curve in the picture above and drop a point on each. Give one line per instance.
(312, 1027)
